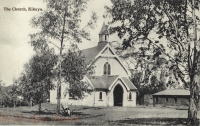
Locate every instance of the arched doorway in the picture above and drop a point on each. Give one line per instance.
(118, 96)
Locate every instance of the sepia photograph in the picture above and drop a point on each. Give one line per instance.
(100, 62)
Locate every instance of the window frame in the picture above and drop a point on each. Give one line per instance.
(100, 96)
(130, 96)
(107, 69)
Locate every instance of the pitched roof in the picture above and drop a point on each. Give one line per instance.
(104, 30)
(129, 83)
(91, 53)
(104, 82)
(177, 92)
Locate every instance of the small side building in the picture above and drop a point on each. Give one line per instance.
(172, 97)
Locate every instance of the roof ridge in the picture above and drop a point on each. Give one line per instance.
(88, 48)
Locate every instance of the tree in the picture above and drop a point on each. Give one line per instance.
(37, 79)
(9, 95)
(25, 82)
(13, 92)
(61, 24)
(147, 85)
(74, 69)
(1, 90)
(173, 25)
(149, 75)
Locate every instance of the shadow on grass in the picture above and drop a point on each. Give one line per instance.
(75, 113)
(83, 108)
(154, 121)
(50, 116)
(39, 113)
(78, 113)
(74, 116)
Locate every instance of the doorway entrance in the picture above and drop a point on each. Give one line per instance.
(118, 96)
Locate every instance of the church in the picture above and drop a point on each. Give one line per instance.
(110, 81)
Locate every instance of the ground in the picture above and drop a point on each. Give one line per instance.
(82, 115)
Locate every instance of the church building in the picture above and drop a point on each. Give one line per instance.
(110, 81)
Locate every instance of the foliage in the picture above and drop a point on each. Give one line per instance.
(173, 25)
(148, 85)
(61, 24)
(37, 78)
(168, 19)
(9, 95)
(73, 70)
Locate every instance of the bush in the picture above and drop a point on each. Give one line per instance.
(23, 103)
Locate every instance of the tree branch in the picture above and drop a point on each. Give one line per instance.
(54, 44)
(173, 23)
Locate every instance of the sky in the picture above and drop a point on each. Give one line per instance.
(15, 49)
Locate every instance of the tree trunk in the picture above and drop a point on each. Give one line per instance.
(39, 107)
(194, 79)
(193, 103)
(192, 113)
(30, 102)
(58, 96)
(14, 103)
(60, 61)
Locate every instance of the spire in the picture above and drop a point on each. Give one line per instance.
(104, 29)
(104, 33)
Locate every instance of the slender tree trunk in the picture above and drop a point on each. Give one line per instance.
(30, 102)
(60, 65)
(39, 107)
(58, 98)
(14, 103)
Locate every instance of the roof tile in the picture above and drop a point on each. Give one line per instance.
(104, 82)
(91, 53)
(178, 92)
(129, 83)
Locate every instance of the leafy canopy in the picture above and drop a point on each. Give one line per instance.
(61, 22)
(157, 28)
(37, 77)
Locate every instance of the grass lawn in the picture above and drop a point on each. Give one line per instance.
(139, 115)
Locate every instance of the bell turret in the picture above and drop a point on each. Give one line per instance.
(104, 33)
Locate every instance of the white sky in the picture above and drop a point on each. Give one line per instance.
(15, 28)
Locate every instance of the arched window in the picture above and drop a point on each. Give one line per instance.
(106, 69)
(100, 96)
(130, 96)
